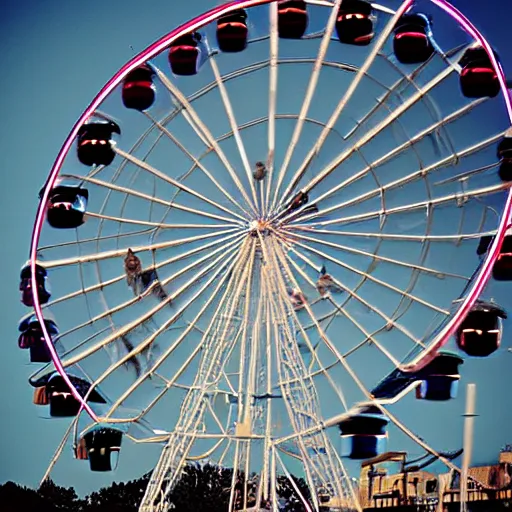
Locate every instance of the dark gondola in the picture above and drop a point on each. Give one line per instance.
(412, 39)
(478, 78)
(101, 442)
(363, 434)
(502, 269)
(62, 402)
(138, 91)
(66, 206)
(232, 31)
(95, 143)
(440, 378)
(479, 335)
(292, 19)
(354, 24)
(32, 338)
(184, 54)
(43, 292)
(504, 153)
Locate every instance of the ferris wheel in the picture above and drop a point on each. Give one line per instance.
(267, 228)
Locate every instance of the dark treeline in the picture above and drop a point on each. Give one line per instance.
(200, 488)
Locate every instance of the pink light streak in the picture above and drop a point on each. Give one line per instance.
(485, 273)
(163, 44)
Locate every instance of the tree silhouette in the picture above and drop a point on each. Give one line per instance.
(202, 487)
(119, 497)
(60, 498)
(49, 498)
(14, 498)
(205, 487)
(289, 497)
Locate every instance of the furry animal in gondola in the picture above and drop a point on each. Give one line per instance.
(300, 199)
(147, 278)
(132, 268)
(297, 298)
(134, 361)
(140, 280)
(260, 171)
(326, 284)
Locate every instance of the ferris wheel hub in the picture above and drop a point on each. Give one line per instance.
(259, 227)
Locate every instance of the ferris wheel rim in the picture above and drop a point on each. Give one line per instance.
(506, 215)
(148, 53)
(157, 48)
(484, 270)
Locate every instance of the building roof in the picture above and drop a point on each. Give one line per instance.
(385, 457)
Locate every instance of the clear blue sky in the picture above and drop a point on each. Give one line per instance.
(54, 57)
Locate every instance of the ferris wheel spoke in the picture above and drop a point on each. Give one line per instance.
(371, 133)
(313, 82)
(232, 263)
(104, 284)
(197, 163)
(200, 127)
(369, 337)
(234, 127)
(159, 225)
(266, 119)
(363, 70)
(133, 179)
(323, 470)
(272, 100)
(373, 279)
(353, 294)
(153, 199)
(400, 237)
(345, 248)
(429, 203)
(415, 175)
(171, 181)
(127, 328)
(45, 248)
(59, 450)
(396, 151)
(98, 256)
(172, 459)
(404, 79)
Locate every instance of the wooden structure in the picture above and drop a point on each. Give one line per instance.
(489, 487)
(380, 489)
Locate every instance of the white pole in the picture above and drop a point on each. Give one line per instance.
(468, 443)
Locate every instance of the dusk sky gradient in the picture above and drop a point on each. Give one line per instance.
(55, 56)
